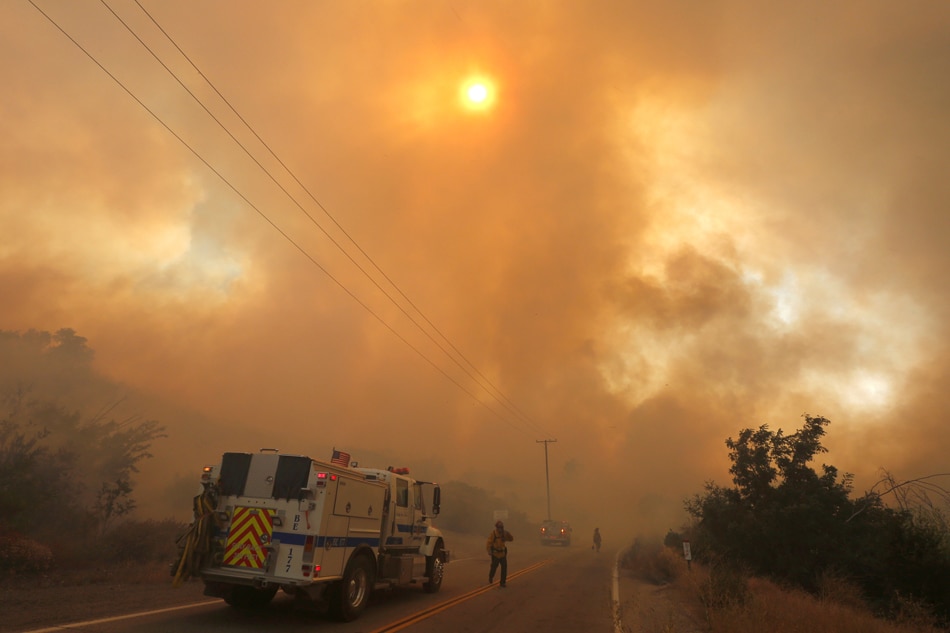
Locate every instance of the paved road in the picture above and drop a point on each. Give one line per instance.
(550, 589)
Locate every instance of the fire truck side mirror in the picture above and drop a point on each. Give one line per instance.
(436, 500)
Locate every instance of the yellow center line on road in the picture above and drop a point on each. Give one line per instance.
(407, 621)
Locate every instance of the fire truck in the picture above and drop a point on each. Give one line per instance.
(556, 532)
(316, 530)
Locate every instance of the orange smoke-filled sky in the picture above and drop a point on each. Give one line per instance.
(663, 222)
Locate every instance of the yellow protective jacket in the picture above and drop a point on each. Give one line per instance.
(496, 543)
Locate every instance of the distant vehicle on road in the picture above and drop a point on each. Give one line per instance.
(556, 533)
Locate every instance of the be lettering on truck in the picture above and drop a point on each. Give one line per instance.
(320, 531)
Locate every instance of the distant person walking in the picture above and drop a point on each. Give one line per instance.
(596, 545)
(498, 550)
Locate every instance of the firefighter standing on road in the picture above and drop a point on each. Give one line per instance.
(596, 545)
(498, 550)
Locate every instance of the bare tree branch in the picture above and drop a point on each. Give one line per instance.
(918, 489)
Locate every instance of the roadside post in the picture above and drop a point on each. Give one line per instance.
(687, 554)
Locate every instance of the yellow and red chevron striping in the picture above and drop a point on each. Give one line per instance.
(251, 528)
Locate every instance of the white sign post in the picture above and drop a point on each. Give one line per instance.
(687, 554)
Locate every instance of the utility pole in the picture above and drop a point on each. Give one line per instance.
(547, 478)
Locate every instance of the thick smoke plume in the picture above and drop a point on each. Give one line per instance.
(672, 223)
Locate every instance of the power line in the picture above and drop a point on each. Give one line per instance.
(498, 395)
(263, 215)
(285, 235)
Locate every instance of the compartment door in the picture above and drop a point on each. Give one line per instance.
(251, 531)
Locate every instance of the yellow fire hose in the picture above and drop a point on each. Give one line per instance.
(197, 540)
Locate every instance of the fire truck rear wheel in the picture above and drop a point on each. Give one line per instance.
(242, 597)
(435, 568)
(350, 596)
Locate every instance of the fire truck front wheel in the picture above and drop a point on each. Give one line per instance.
(243, 597)
(435, 568)
(349, 597)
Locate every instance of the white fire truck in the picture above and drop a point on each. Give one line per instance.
(316, 530)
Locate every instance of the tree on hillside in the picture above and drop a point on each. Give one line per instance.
(35, 480)
(784, 519)
(56, 465)
(65, 461)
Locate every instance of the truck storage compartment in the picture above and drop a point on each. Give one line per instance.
(249, 538)
(398, 568)
(355, 498)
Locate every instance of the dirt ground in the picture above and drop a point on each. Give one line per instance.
(32, 602)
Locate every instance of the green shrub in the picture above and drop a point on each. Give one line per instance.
(22, 555)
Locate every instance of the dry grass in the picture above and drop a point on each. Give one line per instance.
(770, 607)
(728, 602)
(653, 562)
(149, 573)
